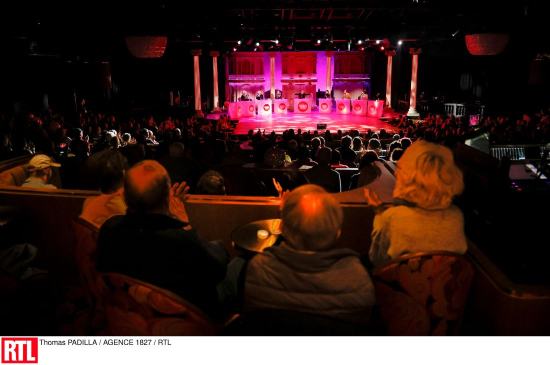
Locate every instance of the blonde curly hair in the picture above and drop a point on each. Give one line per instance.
(427, 176)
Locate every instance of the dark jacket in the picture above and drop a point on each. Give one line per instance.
(161, 250)
(332, 283)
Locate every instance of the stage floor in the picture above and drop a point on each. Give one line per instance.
(305, 122)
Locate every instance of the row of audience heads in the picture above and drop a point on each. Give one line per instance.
(426, 177)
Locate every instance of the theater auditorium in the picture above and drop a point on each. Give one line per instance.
(353, 168)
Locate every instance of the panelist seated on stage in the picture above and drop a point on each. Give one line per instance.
(327, 94)
(244, 96)
(346, 95)
(278, 94)
(259, 95)
(364, 96)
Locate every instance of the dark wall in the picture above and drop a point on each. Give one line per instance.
(446, 71)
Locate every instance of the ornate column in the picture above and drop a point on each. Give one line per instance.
(198, 111)
(414, 87)
(390, 55)
(329, 55)
(227, 90)
(272, 70)
(215, 55)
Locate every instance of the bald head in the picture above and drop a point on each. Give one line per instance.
(147, 188)
(311, 219)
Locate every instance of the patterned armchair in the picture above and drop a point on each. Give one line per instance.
(136, 308)
(423, 293)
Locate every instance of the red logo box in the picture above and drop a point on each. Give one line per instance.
(303, 106)
(19, 350)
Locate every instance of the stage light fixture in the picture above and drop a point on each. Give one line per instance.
(377, 41)
(318, 41)
(382, 48)
(359, 41)
(400, 42)
(234, 49)
(257, 44)
(239, 42)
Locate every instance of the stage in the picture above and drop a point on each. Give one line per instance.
(281, 122)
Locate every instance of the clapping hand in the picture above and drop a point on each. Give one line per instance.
(178, 196)
(373, 200)
(282, 195)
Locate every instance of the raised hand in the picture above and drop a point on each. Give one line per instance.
(178, 196)
(373, 200)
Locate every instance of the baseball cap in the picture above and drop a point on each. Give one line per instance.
(40, 162)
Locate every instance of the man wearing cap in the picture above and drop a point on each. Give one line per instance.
(40, 168)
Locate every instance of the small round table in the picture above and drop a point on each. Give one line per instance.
(245, 237)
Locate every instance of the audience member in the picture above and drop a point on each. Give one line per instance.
(322, 174)
(307, 273)
(107, 169)
(181, 168)
(154, 241)
(211, 183)
(423, 217)
(302, 160)
(41, 172)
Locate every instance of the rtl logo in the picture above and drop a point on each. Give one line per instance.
(357, 107)
(251, 108)
(303, 106)
(324, 106)
(267, 107)
(282, 106)
(19, 350)
(341, 107)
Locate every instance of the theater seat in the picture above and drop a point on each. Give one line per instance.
(15, 176)
(137, 308)
(271, 322)
(86, 235)
(422, 294)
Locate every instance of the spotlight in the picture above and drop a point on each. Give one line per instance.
(234, 49)
(318, 41)
(400, 42)
(239, 42)
(382, 48)
(276, 41)
(359, 42)
(377, 41)
(257, 44)
(456, 32)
